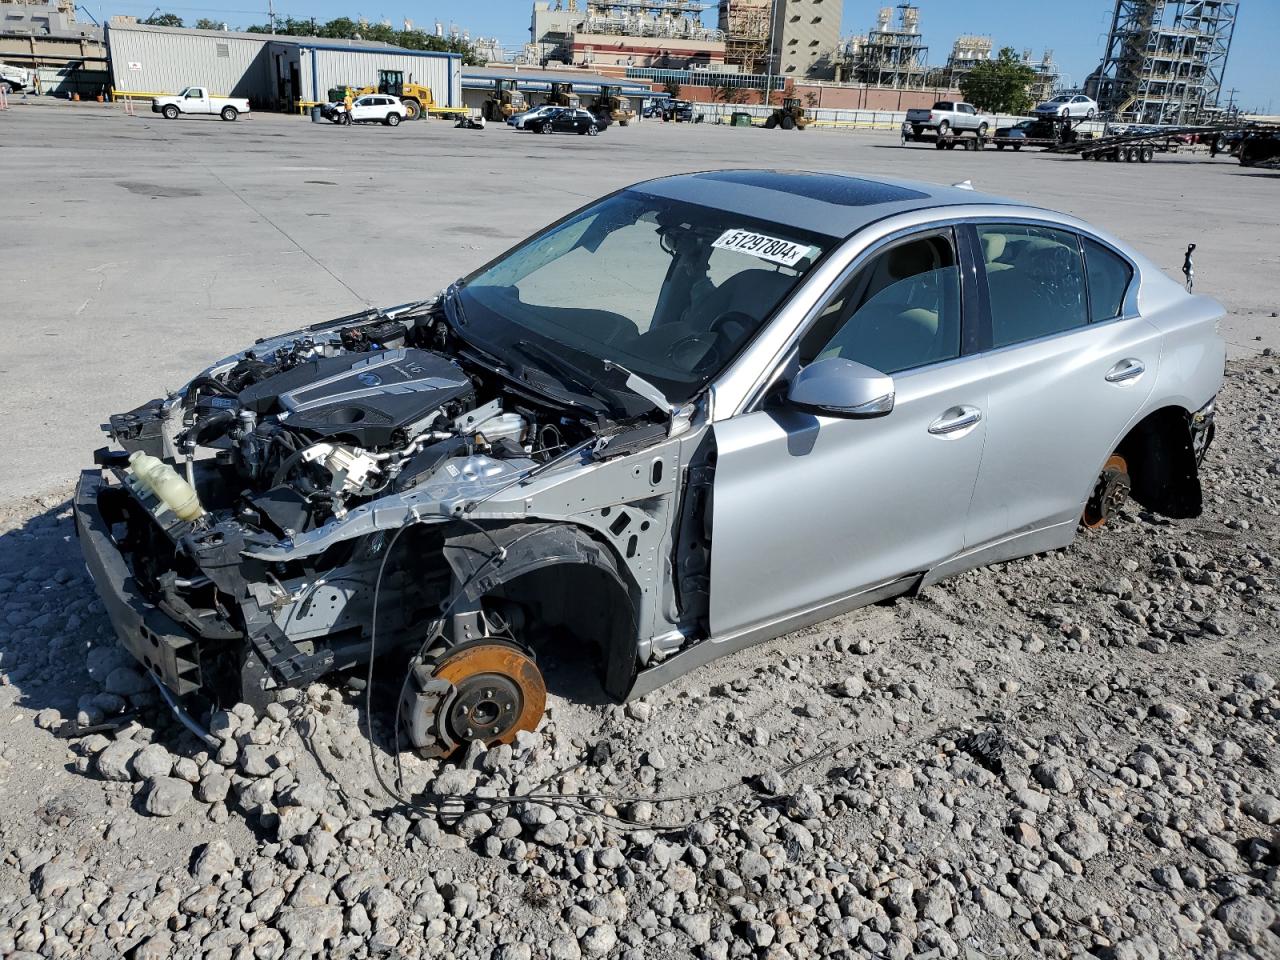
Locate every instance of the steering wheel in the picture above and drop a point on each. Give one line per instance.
(694, 353)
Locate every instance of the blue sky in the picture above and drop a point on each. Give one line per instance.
(1075, 29)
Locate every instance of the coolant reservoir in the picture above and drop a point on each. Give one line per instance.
(510, 426)
(164, 481)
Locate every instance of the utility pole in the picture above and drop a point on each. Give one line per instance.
(271, 12)
(768, 68)
(1231, 100)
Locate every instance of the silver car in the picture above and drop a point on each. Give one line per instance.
(694, 415)
(1067, 105)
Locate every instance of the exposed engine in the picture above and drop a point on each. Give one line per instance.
(305, 429)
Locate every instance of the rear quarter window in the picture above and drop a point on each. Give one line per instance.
(1109, 277)
(942, 105)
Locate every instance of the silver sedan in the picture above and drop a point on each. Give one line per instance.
(691, 416)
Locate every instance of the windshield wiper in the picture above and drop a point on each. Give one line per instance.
(570, 373)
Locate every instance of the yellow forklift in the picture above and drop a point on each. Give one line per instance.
(612, 105)
(505, 102)
(561, 95)
(789, 116)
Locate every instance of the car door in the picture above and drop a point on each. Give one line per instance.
(1070, 365)
(196, 101)
(364, 108)
(809, 510)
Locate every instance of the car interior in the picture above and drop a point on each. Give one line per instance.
(902, 310)
(1036, 282)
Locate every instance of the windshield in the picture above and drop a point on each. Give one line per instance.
(669, 290)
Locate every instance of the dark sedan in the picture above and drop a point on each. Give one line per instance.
(1019, 131)
(567, 121)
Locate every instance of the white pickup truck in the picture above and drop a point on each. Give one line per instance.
(196, 100)
(18, 78)
(945, 117)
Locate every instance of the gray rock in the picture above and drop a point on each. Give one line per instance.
(310, 930)
(115, 762)
(258, 759)
(311, 890)
(1174, 713)
(167, 796)
(992, 903)
(697, 926)
(382, 904)
(1263, 808)
(1246, 918)
(125, 681)
(1083, 844)
(214, 862)
(213, 787)
(152, 761)
(752, 865)
(1054, 775)
(554, 834)
(473, 825)
(599, 940)
(758, 933)
(55, 878)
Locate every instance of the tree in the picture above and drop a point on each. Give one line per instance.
(672, 89)
(163, 20)
(344, 28)
(1000, 85)
(204, 23)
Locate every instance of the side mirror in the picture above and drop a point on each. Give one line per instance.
(837, 387)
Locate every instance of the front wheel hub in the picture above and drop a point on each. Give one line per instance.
(486, 690)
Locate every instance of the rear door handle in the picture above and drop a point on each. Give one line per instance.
(954, 420)
(1129, 368)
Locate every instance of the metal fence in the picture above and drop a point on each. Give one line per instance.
(826, 117)
(706, 78)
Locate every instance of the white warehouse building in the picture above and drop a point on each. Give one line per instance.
(272, 71)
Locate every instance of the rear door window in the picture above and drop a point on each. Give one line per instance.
(1109, 277)
(1036, 280)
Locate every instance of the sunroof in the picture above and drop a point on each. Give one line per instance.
(827, 187)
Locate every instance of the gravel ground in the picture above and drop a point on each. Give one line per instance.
(1073, 754)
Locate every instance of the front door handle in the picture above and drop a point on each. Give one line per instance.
(1130, 368)
(954, 420)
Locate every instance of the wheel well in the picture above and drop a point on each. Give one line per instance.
(1162, 463)
(589, 605)
(562, 578)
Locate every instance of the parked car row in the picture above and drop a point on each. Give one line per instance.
(554, 119)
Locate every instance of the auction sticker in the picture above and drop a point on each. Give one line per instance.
(765, 247)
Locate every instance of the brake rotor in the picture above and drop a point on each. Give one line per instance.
(486, 690)
(1109, 494)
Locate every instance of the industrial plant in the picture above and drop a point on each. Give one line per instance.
(1164, 60)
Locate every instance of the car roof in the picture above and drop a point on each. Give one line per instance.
(831, 203)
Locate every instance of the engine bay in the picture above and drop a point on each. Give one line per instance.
(299, 430)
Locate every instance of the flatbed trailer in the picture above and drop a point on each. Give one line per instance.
(1132, 147)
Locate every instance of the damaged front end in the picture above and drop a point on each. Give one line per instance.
(240, 530)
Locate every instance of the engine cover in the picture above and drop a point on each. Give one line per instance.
(362, 397)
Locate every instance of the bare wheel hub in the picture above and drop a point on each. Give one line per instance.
(485, 690)
(1109, 494)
